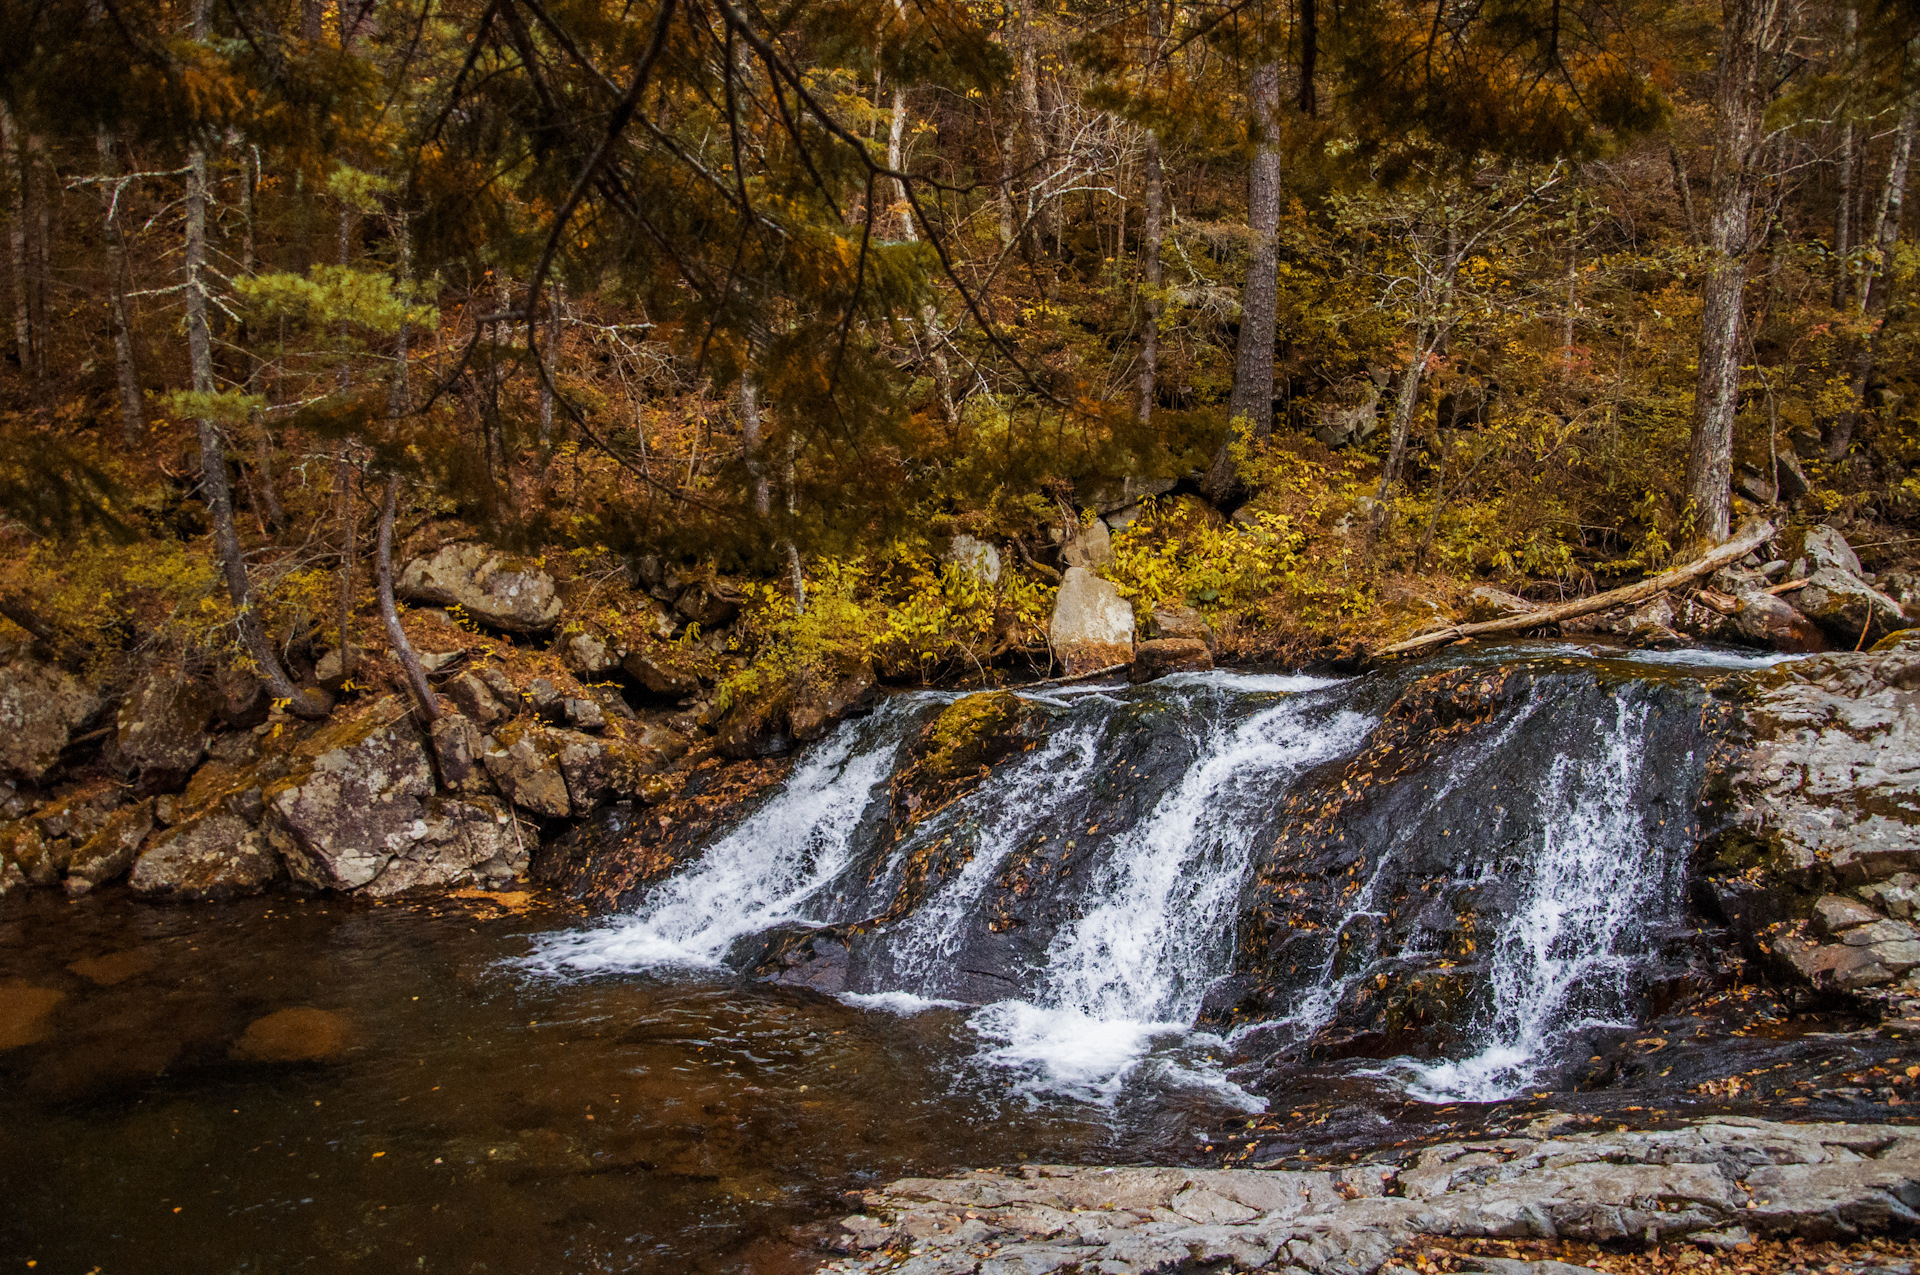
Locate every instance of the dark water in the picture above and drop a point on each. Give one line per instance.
(461, 1117)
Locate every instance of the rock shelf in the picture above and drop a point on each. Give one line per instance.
(1718, 1182)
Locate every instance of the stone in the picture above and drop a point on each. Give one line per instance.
(334, 668)
(1090, 548)
(819, 703)
(1899, 895)
(1775, 622)
(529, 775)
(976, 558)
(160, 731)
(1160, 656)
(456, 742)
(546, 700)
(1488, 603)
(1652, 625)
(1108, 495)
(216, 856)
(26, 1012)
(1898, 638)
(1836, 913)
(354, 801)
(757, 727)
(1878, 933)
(109, 853)
(587, 653)
(1833, 967)
(497, 591)
(1849, 610)
(501, 685)
(663, 669)
(1179, 622)
(1092, 626)
(40, 708)
(243, 702)
(301, 1034)
(476, 700)
(460, 842)
(707, 605)
(1811, 549)
(583, 714)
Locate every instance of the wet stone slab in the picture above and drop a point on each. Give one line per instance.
(1719, 1182)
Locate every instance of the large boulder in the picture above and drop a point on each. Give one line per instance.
(108, 853)
(1179, 622)
(1774, 622)
(1092, 625)
(1850, 611)
(460, 842)
(527, 771)
(489, 586)
(354, 803)
(213, 856)
(161, 732)
(1810, 549)
(40, 707)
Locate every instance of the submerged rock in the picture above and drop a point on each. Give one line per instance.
(302, 1034)
(1092, 626)
(489, 586)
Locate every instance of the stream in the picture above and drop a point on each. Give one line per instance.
(1157, 935)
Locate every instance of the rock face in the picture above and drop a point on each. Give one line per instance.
(161, 731)
(355, 804)
(1162, 656)
(490, 587)
(40, 706)
(108, 853)
(1717, 1182)
(217, 856)
(1850, 611)
(1092, 625)
(1815, 830)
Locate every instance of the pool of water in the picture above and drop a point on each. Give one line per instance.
(292, 1085)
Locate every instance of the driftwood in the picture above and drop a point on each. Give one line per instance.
(1732, 551)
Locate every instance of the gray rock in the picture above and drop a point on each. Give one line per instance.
(1811, 549)
(975, 557)
(40, 707)
(109, 853)
(1179, 622)
(1835, 914)
(707, 605)
(490, 587)
(334, 668)
(587, 653)
(1091, 547)
(1092, 626)
(456, 742)
(216, 856)
(459, 842)
(1488, 603)
(528, 773)
(355, 801)
(664, 670)
(1849, 610)
(160, 731)
(476, 700)
(1899, 895)
(583, 714)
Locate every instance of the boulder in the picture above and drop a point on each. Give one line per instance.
(1849, 610)
(587, 654)
(1091, 547)
(161, 732)
(498, 591)
(528, 772)
(477, 701)
(108, 853)
(1179, 622)
(1652, 625)
(459, 842)
(1811, 549)
(976, 558)
(757, 726)
(825, 699)
(1092, 626)
(1775, 623)
(40, 708)
(707, 605)
(456, 742)
(354, 801)
(663, 669)
(215, 856)
(1108, 495)
(583, 714)
(1161, 656)
(334, 668)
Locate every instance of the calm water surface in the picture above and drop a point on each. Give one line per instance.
(291, 1085)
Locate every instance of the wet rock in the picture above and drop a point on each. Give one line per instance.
(477, 701)
(1090, 549)
(1488, 603)
(490, 587)
(976, 558)
(1179, 622)
(1776, 623)
(1161, 656)
(109, 853)
(216, 856)
(1092, 625)
(757, 726)
(26, 1012)
(1849, 610)
(40, 708)
(459, 842)
(954, 752)
(825, 699)
(160, 731)
(354, 801)
(1831, 967)
(302, 1034)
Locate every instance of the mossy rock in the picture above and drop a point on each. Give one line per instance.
(1896, 640)
(957, 749)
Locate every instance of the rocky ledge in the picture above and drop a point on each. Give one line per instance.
(1720, 1182)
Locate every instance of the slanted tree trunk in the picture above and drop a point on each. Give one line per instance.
(1406, 398)
(1877, 282)
(1750, 30)
(1252, 399)
(133, 422)
(213, 460)
(424, 700)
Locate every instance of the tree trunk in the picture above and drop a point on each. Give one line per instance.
(1750, 29)
(22, 273)
(1406, 397)
(349, 549)
(1684, 186)
(133, 423)
(1031, 149)
(1843, 206)
(1252, 399)
(1152, 280)
(1877, 282)
(423, 697)
(750, 442)
(547, 365)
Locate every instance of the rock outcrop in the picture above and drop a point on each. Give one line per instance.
(1714, 1182)
(489, 586)
(40, 708)
(1092, 625)
(216, 856)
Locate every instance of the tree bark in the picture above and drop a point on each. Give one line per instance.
(23, 334)
(1877, 281)
(424, 699)
(1252, 398)
(1406, 397)
(1152, 279)
(1843, 206)
(1750, 30)
(133, 421)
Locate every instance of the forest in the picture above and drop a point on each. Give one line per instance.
(1345, 307)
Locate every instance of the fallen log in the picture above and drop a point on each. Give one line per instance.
(1732, 551)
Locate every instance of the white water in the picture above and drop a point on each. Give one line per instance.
(763, 873)
(1133, 968)
(1557, 966)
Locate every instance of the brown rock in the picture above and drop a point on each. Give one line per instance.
(1179, 622)
(818, 705)
(216, 856)
(1773, 622)
(1162, 656)
(161, 730)
(529, 775)
(354, 802)
(707, 605)
(108, 854)
(476, 700)
(1835, 913)
(490, 587)
(40, 707)
(303, 1034)
(662, 669)
(26, 1012)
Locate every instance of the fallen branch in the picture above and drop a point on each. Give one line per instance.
(1732, 551)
